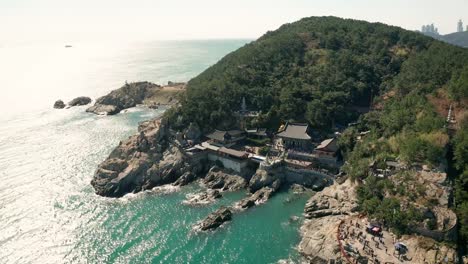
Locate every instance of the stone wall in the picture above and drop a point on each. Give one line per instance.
(307, 177)
(239, 166)
(438, 235)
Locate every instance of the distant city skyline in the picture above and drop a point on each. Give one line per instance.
(434, 30)
(182, 19)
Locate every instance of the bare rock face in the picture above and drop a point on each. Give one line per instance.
(185, 179)
(59, 104)
(319, 243)
(338, 199)
(222, 180)
(125, 97)
(324, 211)
(215, 219)
(82, 100)
(261, 179)
(141, 162)
(426, 250)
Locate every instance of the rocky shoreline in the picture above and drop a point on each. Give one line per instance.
(142, 162)
(129, 95)
(81, 100)
(332, 212)
(153, 157)
(125, 97)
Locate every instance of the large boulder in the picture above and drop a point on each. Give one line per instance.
(259, 197)
(215, 219)
(59, 104)
(82, 100)
(103, 109)
(261, 179)
(125, 97)
(203, 198)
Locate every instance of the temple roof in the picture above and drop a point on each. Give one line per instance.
(328, 144)
(295, 131)
(218, 135)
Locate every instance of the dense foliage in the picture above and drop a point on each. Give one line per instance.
(460, 143)
(325, 71)
(316, 70)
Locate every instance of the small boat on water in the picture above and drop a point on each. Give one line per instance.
(68, 46)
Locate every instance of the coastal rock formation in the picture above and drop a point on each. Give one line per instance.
(59, 104)
(185, 179)
(426, 250)
(265, 176)
(215, 219)
(125, 97)
(203, 198)
(298, 189)
(319, 244)
(222, 180)
(261, 179)
(324, 211)
(82, 100)
(103, 109)
(338, 199)
(132, 94)
(142, 162)
(259, 197)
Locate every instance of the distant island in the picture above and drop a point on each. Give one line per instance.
(372, 118)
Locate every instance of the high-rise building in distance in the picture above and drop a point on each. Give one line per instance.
(430, 29)
(460, 26)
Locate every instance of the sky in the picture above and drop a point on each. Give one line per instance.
(205, 19)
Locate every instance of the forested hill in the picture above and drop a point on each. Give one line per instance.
(313, 70)
(317, 70)
(457, 38)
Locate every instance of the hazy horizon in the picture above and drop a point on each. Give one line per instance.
(24, 20)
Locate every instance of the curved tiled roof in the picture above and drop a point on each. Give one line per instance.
(295, 131)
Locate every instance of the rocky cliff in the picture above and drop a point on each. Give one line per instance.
(132, 94)
(125, 97)
(143, 161)
(82, 100)
(324, 212)
(333, 230)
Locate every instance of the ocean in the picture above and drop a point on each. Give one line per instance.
(48, 210)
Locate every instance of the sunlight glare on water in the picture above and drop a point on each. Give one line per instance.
(48, 210)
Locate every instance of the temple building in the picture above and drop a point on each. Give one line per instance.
(226, 138)
(258, 133)
(295, 136)
(328, 147)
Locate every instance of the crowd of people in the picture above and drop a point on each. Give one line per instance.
(368, 243)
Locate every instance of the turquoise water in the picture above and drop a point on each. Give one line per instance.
(49, 212)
